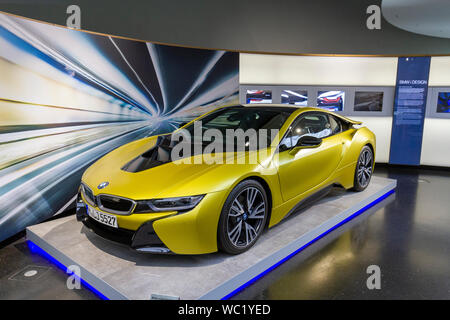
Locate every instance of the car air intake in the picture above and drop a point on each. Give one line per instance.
(115, 204)
(157, 155)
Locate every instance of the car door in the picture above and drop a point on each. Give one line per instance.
(309, 167)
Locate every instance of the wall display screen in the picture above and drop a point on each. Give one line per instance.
(297, 97)
(69, 97)
(368, 101)
(259, 96)
(331, 100)
(443, 103)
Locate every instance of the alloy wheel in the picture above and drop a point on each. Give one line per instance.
(246, 217)
(365, 165)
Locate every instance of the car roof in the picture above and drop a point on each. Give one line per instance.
(284, 107)
(297, 110)
(269, 107)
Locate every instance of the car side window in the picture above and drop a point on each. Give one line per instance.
(313, 124)
(335, 125)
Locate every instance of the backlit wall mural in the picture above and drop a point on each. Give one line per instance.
(68, 97)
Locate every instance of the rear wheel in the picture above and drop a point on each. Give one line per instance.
(243, 217)
(364, 168)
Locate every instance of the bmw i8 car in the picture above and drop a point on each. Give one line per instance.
(145, 197)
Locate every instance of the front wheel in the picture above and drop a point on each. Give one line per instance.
(364, 168)
(243, 217)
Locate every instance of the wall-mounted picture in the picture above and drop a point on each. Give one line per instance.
(296, 97)
(259, 96)
(69, 97)
(368, 101)
(443, 104)
(331, 100)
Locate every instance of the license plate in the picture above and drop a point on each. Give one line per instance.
(101, 217)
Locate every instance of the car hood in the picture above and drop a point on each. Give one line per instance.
(170, 179)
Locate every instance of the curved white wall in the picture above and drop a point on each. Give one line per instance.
(439, 72)
(382, 127)
(436, 131)
(435, 143)
(315, 70)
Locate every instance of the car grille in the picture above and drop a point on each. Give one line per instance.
(115, 204)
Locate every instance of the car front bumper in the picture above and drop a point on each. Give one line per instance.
(192, 232)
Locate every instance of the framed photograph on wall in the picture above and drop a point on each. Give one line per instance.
(368, 101)
(258, 96)
(296, 97)
(443, 102)
(331, 100)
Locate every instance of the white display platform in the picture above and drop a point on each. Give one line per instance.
(118, 272)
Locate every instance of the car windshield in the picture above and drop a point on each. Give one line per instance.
(252, 120)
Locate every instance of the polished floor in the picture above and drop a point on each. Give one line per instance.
(407, 237)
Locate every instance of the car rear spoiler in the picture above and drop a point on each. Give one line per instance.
(355, 122)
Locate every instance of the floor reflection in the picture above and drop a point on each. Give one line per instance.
(408, 237)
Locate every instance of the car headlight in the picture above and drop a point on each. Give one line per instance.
(167, 204)
(88, 194)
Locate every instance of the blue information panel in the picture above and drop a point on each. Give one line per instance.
(409, 110)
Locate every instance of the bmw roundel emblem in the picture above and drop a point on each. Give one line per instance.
(103, 185)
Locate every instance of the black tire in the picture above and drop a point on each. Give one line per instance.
(364, 169)
(236, 221)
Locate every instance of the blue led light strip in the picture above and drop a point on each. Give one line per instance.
(262, 274)
(36, 249)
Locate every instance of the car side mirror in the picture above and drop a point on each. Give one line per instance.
(306, 142)
(309, 142)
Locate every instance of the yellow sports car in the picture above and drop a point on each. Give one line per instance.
(189, 192)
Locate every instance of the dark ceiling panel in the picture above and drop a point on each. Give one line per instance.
(283, 26)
